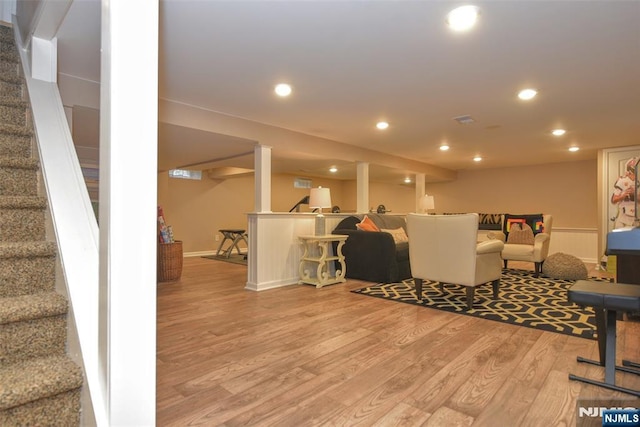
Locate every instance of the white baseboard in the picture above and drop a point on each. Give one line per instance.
(272, 284)
(198, 254)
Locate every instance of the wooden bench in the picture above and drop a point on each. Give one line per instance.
(607, 299)
(235, 236)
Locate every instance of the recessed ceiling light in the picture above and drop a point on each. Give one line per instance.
(382, 125)
(558, 132)
(574, 148)
(463, 18)
(444, 147)
(283, 89)
(333, 169)
(477, 159)
(527, 94)
(407, 180)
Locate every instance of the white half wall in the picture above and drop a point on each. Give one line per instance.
(274, 248)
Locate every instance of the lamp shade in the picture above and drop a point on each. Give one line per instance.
(320, 198)
(427, 202)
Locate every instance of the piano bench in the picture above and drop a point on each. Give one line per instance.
(607, 299)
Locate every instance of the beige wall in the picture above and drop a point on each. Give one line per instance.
(565, 190)
(197, 209)
(395, 197)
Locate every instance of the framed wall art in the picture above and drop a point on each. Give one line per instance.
(618, 190)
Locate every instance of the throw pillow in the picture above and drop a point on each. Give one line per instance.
(535, 221)
(489, 221)
(398, 234)
(520, 234)
(367, 225)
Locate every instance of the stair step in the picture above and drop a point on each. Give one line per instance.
(18, 176)
(6, 34)
(9, 68)
(22, 218)
(13, 110)
(15, 141)
(8, 50)
(11, 57)
(39, 384)
(39, 392)
(32, 326)
(27, 268)
(10, 85)
(7, 45)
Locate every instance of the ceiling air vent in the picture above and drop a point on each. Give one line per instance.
(464, 120)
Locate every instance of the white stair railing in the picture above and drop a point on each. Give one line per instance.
(74, 223)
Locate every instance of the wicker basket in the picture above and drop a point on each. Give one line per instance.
(169, 261)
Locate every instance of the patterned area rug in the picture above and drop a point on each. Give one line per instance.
(525, 300)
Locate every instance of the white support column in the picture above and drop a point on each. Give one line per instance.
(419, 189)
(128, 209)
(362, 184)
(262, 178)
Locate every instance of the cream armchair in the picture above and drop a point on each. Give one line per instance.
(444, 248)
(535, 253)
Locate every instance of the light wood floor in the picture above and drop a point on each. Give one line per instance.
(300, 356)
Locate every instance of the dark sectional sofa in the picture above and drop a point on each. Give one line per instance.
(374, 256)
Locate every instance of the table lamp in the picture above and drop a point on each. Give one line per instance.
(426, 203)
(320, 198)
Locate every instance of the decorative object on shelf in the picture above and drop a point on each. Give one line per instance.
(303, 201)
(165, 232)
(169, 253)
(320, 198)
(381, 209)
(426, 203)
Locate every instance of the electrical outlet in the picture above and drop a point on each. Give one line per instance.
(217, 238)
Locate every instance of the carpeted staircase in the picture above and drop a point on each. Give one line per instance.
(39, 384)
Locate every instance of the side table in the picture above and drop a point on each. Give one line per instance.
(316, 261)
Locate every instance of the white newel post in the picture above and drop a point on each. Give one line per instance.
(44, 59)
(128, 203)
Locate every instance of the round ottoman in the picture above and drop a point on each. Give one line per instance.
(564, 266)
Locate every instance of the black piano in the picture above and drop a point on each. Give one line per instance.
(625, 245)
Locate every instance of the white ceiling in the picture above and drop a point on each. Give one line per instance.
(352, 63)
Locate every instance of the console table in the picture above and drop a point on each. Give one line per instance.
(317, 260)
